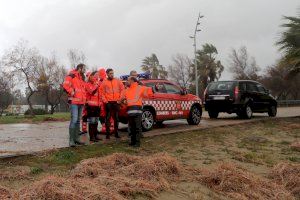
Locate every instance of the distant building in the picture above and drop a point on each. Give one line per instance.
(21, 109)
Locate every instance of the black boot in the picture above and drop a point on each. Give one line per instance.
(92, 132)
(117, 134)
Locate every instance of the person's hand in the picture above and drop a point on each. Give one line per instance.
(72, 93)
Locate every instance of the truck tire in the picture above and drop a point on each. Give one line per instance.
(147, 120)
(247, 111)
(272, 111)
(213, 114)
(194, 116)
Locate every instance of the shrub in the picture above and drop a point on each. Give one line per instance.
(37, 111)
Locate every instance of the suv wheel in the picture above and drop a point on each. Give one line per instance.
(248, 112)
(272, 111)
(147, 120)
(194, 116)
(213, 114)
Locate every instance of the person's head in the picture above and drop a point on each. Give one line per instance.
(133, 73)
(110, 73)
(131, 79)
(80, 68)
(102, 74)
(92, 77)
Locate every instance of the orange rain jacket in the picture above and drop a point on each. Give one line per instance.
(74, 85)
(111, 90)
(135, 93)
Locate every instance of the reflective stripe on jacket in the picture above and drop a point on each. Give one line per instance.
(74, 84)
(111, 90)
(135, 93)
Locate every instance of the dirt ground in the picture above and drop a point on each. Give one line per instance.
(255, 147)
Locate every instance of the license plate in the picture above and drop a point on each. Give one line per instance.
(219, 98)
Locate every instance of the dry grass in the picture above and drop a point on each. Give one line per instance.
(5, 193)
(238, 183)
(288, 175)
(295, 146)
(15, 173)
(115, 177)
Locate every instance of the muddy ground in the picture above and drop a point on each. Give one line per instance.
(256, 147)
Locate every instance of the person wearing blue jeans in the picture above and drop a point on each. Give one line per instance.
(75, 86)
(76, 111)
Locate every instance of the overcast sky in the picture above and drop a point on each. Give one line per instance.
(121, 33)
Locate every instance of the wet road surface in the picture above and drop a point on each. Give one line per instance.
(19, 139)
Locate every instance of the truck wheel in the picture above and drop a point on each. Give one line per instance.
(247, 112)
(272, 111)
(194, 116)
(147, 120)
(213, 114)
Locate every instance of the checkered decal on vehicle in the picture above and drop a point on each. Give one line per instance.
(169, 105)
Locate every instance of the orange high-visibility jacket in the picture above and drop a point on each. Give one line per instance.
(74, 85)
(135, 93)
(92, 98)
(111, 90)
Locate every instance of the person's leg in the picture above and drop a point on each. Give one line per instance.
(131, 123)
(92, 129)
(138, 128)
(77, 127)
(107, 119)
(116, 119)
(72, 127)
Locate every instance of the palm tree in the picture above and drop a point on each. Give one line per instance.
(290, 43)
(152, 66)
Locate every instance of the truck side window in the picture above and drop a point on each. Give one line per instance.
(162, 87)
(261, 89)
(251, 87)
(243, 87)
(172, 89)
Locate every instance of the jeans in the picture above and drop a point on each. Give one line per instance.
(76, 111)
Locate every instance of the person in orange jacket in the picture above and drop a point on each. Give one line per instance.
(111, 90)
(133, 98)
(74, 85)
(93, 105)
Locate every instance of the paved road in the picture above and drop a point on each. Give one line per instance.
(16, 139)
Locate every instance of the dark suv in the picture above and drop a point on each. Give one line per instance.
(243, 97)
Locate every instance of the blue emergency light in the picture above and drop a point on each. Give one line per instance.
(145, 75)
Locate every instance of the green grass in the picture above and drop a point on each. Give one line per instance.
(35, 119)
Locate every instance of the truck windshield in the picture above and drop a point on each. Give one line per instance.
(221, 85)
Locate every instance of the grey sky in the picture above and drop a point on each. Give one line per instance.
(121, 33)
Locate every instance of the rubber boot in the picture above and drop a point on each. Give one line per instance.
(96, 133)
(92, 132)
(77, 135)
(117, 134)
(107, 132)
(72, 137)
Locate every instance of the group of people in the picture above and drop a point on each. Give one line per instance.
(97, 96)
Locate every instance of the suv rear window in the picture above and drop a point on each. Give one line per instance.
(222, 85)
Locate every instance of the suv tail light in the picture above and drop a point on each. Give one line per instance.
(236, 92)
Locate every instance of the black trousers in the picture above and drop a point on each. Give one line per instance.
(135, 126)
(112, 109)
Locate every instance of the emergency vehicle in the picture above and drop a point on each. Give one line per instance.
(169, 102)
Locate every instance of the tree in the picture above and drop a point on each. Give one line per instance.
(181, 70)
(24, 60)
(51, 76)
(209, 68)
(281, 85)
(242, 66)
(152, 66)
(289, 43)
(76, 57)
(5, 92)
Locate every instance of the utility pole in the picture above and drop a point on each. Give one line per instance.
(195, 52)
